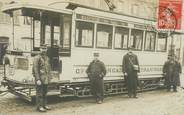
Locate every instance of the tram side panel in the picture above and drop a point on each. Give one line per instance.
(74, 68)
(150, 63)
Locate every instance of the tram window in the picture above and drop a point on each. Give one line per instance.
(51, 30)
(66, 31)
(104, 36)
(26, 43)
(84, 34)
(150, 41)
(162, 42)
(56, 35)
(37, 34)
(136, 39)
(48, 35)
(121, 38)
(22, 63)
(61, 28)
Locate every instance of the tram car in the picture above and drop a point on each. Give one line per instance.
(72, 34)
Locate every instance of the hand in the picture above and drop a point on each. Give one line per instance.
(89, 74)
(101, 75)
(38, 82)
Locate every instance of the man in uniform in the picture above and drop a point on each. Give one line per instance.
(177, 72)
(2, 52)
(130, 67)
(96, 71)
(171, 71)
(41, 73)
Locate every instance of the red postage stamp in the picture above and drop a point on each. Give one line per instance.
(169, 14)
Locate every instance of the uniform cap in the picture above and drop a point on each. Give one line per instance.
(130, 47)
(43, 48)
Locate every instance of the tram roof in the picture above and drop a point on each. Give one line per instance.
(15, 6)
(63, 7)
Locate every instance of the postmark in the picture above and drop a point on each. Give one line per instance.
(169, 15)
(166, 19)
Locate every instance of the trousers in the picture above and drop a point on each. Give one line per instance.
(132, 83)
(97, 88)
(41, 95)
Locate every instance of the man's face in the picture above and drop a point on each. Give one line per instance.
(43, 51)
(95, 58)
(171, 58)
(129, 50)
(176, 58)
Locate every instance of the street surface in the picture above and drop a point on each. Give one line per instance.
(157, 102)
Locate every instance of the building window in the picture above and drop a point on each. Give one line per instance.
(162, 42)
(121, 38)
(84, 34)
(150, 12)
(136, 39)
(104, 36)
(135, 9)
(4, 18)
(120, 5)
(150, 41)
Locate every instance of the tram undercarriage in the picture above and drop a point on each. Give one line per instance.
(79, 89)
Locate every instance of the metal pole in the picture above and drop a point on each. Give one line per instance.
(181, 49)
(13, 31)
(4, 72)
(33, 34)
(172, 47)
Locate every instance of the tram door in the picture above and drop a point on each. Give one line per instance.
(53, 54)
(50, 36)
(3, 47)
(53, 30)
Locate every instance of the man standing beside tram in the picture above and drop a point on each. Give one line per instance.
(178, 71)
(41, 73)
(171, 72)
(130, 67)
(96, 72)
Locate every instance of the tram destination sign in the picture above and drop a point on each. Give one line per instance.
(102, 20)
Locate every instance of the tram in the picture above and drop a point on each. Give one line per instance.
(72, 34)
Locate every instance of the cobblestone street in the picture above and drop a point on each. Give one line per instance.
(149, 103)
(157, 102)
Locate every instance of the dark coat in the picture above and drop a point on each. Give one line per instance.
(177, 72)
(2, 52)
(128, 62)
(171, 72)
(131, 79)
(96, 69)
(41, 69)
